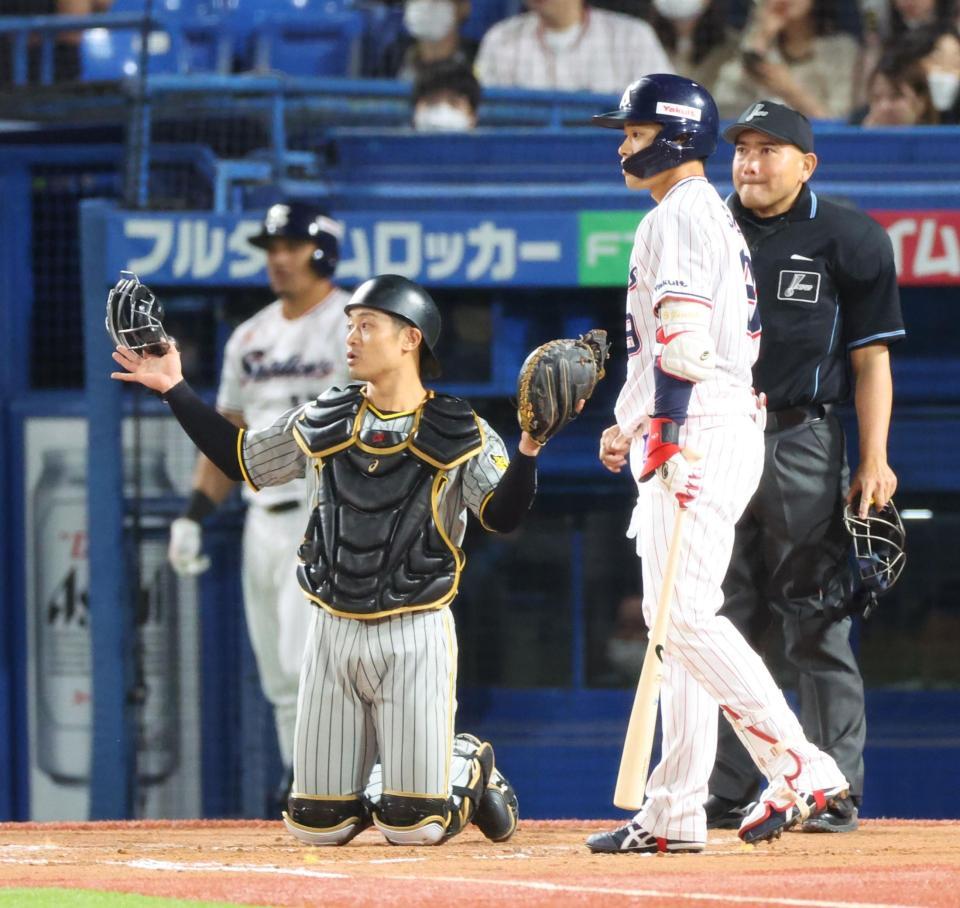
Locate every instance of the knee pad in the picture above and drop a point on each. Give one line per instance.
(411, 820)
(323, 820)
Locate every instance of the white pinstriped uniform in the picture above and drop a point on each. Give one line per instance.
(270, 364)
(383, 686)
(689, 248)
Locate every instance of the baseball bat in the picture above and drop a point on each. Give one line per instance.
(638, 745)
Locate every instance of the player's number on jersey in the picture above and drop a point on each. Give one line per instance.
(753, 322)
(633, 339)
(748, 279)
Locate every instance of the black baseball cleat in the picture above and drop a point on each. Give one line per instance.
(722, 813)
(498, 811)
(841, 816)
(772, 816)
(633, 839)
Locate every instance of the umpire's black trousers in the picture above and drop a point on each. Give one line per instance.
(791, 556)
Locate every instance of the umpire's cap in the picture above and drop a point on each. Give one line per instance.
(303, 220)
(775, 120)
(410, 302)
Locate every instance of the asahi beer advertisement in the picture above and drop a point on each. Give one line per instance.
(59, 670)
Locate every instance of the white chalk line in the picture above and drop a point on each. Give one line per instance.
(536, 885)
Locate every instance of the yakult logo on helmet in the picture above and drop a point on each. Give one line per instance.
(678, 110)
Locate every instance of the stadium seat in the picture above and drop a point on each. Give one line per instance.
(307, 38)
(110, 54)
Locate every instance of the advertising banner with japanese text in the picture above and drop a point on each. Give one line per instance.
(508, 249)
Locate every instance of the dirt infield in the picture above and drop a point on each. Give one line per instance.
(889, 863)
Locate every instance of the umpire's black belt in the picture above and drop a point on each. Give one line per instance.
(779, 420)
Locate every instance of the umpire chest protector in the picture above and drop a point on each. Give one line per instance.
(375, 544)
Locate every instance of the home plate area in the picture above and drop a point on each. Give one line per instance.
(885, 863)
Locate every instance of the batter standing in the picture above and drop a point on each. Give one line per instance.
(828, 296)
(692, 428)
(395, 468)
(284, 355)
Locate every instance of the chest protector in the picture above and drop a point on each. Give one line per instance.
(374, 544)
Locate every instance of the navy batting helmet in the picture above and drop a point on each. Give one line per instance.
(683, 107)
(408, 301)
(304, 221)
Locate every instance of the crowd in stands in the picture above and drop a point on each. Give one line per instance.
(873, 62)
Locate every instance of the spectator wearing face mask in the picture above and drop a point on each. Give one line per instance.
(696, 35)
(898, 94)
(885, 22)
(445, 98)
(570, 46)
(937, 49)
(432, 35)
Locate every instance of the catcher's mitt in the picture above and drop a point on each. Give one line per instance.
(135, 317)
(554, 378)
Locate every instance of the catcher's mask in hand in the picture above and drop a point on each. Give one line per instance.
(879, 543)
(135, 317)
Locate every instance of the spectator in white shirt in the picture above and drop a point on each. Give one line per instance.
(567, 45)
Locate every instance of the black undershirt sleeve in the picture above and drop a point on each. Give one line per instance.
(214, 435)
(514, 494)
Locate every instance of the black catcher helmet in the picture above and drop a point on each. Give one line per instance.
(879, 544)
(685, 110)
(135, 317)
(409, 301)
(302, 220)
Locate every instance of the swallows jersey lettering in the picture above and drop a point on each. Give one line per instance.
(257, 368)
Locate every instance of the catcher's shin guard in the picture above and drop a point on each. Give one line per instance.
(470, 770)
(498, 811)
(323, 820)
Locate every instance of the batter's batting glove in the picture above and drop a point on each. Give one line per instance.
(184, 552)
(680, 475)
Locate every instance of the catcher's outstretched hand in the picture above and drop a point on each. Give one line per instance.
(556, 380)
(158, 373)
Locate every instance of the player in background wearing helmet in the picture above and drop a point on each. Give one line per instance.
(394, 467)
(690, 427)
(286, 354)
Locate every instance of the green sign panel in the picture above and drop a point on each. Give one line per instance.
(606, 238)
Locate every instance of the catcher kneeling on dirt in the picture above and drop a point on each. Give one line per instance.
(396, 467)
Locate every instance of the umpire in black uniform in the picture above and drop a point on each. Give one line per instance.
(829, 306)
